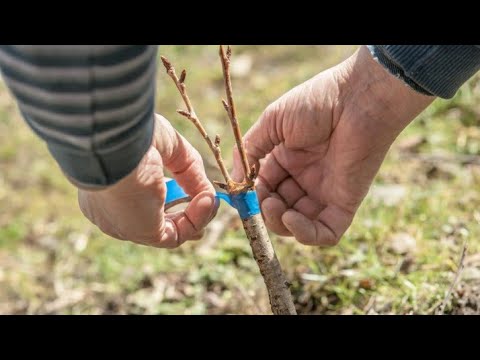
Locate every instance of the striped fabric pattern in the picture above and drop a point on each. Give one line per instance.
(92, 104)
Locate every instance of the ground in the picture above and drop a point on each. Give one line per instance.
(400, 255)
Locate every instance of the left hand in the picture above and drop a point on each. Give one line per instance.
(133, 208)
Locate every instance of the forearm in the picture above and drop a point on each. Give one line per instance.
(437, 70)
(92, 104)
(381, 102)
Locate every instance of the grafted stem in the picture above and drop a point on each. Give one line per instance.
(277, 286)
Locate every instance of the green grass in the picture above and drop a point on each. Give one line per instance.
(52, 260)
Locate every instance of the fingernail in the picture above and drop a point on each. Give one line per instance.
(216, 204)
(287, 219)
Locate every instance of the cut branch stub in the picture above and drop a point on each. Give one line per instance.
(184, 113)
(183, 75)
(227, 108)
(253, 172)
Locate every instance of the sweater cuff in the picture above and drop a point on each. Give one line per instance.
(105, 166)
(437, 70)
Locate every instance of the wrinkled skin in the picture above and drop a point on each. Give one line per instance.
(319, 147)
(133, 209)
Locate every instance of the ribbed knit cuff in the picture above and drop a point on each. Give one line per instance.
(437, 70)
(106, 166)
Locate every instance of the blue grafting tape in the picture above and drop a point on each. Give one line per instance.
(174, 192)
(224, 197)
(246, 203)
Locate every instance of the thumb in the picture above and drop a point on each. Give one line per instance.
(181, 158)
(259, 140)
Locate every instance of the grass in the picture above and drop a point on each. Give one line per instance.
(52, 260)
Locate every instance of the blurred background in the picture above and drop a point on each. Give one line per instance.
(400, 255)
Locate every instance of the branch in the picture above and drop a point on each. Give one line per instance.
(262, 248)
(277, 285)
(229, 106)
(190, 115)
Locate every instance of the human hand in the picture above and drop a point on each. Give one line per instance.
(133, 209)
(320, 145)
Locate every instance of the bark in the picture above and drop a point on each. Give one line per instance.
(277, 285)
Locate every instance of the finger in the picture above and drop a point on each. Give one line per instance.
(272, 210)
(190, 223)
(192, 236)
(291, 191)
(196, 216)
(308, 232)
(262, 191)
(271, 173)
(337, 219)
(261, 138)
(181, 158)
(308, 207)
(324, 231)
(168, 238)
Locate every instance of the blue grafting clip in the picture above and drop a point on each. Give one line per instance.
(246, 203)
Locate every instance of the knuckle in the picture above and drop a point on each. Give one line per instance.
(197, 157)
(270, 110)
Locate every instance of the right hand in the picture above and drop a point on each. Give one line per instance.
(320, 145)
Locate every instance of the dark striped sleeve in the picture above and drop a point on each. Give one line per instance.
(92, 104)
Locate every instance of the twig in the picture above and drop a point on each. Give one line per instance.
(192, 116)
(229, 106)
(277, 286)
(456, 278)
